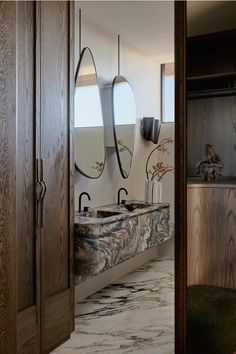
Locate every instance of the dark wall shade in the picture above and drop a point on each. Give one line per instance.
(150, 129)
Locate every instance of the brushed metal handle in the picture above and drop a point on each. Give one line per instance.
(41, 213)
(41, 189)
(38, 192)
(44, 185)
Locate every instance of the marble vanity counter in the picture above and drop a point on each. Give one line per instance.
(102, 243)
(123, 213)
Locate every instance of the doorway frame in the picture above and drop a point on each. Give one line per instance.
(180, 179)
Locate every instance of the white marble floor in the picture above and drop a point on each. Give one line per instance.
(133, 315)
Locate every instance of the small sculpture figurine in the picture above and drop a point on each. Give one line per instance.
(210, 167)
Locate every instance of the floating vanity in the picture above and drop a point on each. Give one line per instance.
(110, 235)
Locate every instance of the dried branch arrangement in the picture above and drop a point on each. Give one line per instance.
(158, 170)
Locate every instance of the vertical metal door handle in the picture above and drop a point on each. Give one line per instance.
(41, 189)
(38, 192)
(41, 201)
(44, 188)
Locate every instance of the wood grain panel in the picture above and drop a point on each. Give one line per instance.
(57, 320)
(212, 236)
(8, 299)
(180, 178)
(211, 53)
(202, 64)
(211, 120)
(56, 272)
(54, 144)
(25, 157)
(26, 133)
(28, 322)
(27, 331)
(71, 163)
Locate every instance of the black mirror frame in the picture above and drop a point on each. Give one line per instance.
(76, 74)
(114, 129)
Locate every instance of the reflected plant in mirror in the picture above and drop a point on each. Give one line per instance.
(89, 147)
(124, 122)
(123, 148)
(98, 166)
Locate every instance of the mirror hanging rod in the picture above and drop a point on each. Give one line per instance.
(80, 29)
(118, 55)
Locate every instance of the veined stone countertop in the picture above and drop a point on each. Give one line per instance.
(102, 243)
(123, 213)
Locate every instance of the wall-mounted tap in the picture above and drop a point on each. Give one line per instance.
(80, 197)
(119, 190)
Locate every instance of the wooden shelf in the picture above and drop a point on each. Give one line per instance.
(215, 85)
(213, 93)
(212, 76)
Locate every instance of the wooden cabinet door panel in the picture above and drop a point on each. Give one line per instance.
(212, 236)
(57, 319)
(27, 266)
(28, 340)
(54, 144)
(8, 291)
(55, 123)
(36, 279)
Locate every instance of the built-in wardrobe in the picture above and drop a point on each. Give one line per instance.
(211, 203)
(36, 175)
(211, 119)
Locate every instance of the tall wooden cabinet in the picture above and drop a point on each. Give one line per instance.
(211, 111)
(39, 314)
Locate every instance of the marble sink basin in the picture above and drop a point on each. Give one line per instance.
(131, 206)
(99, 214)
(113, 212)
(109, 235)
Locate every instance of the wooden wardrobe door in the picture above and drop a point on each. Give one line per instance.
(26, 261)
(56, 285)
(8, 294)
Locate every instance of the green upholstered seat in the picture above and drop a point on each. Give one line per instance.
(211, 320)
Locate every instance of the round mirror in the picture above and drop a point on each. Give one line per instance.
(89, 147)
(124, 120)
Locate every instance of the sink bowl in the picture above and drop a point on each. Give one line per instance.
(140, 205)
(99, 214)
(135, 205)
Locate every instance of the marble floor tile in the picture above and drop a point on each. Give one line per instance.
(132, 315)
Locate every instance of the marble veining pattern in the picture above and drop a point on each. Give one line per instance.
(102, 245)
(132, 315)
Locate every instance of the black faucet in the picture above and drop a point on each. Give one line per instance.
(119, 190)
(80, 196)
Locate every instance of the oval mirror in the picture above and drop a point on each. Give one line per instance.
(124, 120)
(89, 147)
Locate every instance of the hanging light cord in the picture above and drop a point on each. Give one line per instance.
(80, 30)
(118, 55)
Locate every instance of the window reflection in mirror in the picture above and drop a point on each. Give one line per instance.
(124, 117)
(167, 93)
(89, 148)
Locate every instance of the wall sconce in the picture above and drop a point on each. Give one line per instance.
(150, 129)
